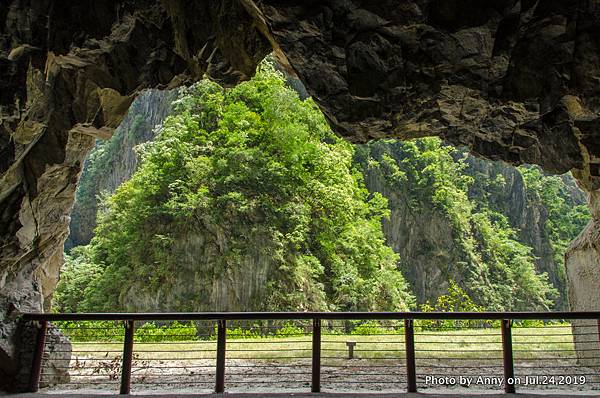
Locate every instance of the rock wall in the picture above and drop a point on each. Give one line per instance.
(526, 215)
(425, 238)
(113, 162)
(422, 236)
(583, 270)
(237, 288)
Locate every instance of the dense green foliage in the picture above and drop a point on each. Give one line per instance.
(253, 177)
(497, 271)
(565, 218)
(76, 276)
(260, 170)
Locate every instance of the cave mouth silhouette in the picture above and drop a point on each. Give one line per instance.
(477, 74)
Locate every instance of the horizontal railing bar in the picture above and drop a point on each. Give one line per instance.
(162, 382)
(552, 367)
(478, 366)
(277, 382)
(108, 382)
(397, 366)
(267, 374)
(259, 341)
(264, 366)
(188, 342)
(190, 316)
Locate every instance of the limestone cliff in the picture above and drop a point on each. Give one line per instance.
(426, 240)
(196, 252)
(527, 214)
(113, 162)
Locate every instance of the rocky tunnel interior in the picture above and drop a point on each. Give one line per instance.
(512, 80)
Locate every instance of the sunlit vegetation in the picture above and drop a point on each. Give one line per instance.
(261, 169)
(258, 174)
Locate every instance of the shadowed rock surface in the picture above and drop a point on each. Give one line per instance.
(69, 74)
(511, 80)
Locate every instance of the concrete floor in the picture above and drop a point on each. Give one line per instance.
(310, 395)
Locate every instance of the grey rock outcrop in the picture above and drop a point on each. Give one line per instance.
(528, 217)
(114, 161)
(196, 253)
(427, 241)
(422, 236)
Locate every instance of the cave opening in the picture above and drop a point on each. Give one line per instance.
(478, 77)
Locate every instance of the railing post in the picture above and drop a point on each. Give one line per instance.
(316, 356)
(127, 358)
(507, 355)
(409, 342)
(221, 346)
(38, 355)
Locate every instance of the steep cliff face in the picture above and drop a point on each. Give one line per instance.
(112, 162)
(198, 280)
(426, 239)
(526, 213)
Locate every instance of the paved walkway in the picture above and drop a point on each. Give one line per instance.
(309, 395)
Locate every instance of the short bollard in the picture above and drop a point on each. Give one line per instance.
(350, 345)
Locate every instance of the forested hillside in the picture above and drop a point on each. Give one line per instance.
(490, 227)
(247, 201)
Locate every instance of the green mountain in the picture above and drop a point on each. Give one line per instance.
(247, 201)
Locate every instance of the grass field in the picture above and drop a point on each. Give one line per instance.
(528, 343)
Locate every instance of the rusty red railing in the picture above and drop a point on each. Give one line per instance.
(417, 343)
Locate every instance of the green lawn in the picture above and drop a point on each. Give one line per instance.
(528, 343)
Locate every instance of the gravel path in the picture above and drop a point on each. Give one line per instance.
(347, 376)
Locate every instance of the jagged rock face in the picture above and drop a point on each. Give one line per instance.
(422, 236)
(239, 288)
(512, 80)
(527, 216)
(68, 74)
(426, 240)
(515, 80)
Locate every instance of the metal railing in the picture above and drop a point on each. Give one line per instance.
(405, 351)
